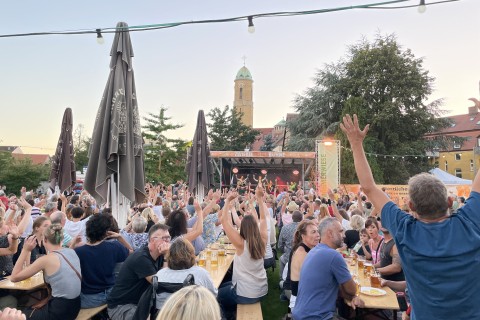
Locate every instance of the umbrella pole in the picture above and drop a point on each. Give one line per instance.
(107, 205)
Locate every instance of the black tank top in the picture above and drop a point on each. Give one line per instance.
(386, 259)
(289, 284)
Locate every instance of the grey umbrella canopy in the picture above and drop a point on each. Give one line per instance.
(63, 165)
(117, 147)
(199, 164)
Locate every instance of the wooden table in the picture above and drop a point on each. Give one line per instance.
(32, 283)
(388, 301)
(218, 272)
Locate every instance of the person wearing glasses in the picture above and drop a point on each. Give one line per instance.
(137, 272)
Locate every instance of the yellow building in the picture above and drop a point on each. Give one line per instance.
(243, 98)
(461, 159)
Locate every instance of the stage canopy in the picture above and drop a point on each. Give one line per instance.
(280, 167)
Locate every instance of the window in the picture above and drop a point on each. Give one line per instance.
(241, 93)
(458, 173)
(446, 165)
(456, 145)
(478, 141)
(471, 165)
(458, 156)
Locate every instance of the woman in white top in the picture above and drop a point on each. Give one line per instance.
(249, 280)
(181, 263)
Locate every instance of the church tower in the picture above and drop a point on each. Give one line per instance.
(243, 101)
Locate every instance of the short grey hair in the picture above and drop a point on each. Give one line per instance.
(428, 195)
(326, 224)
(139, 224)
(50, 206)
(57, 217)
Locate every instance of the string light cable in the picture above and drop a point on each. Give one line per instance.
(249, 18)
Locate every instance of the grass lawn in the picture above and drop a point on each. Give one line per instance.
(272, 307)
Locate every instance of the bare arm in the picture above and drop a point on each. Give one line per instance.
(396, 265)
(231, 233)
(26, 217)
(198, 227)
(334, 206)
(263, 209)
(355, 137)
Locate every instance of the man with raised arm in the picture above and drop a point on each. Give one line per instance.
(440, 252)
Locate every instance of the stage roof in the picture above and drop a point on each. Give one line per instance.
(265, 157)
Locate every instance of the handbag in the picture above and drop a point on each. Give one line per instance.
(43, 302)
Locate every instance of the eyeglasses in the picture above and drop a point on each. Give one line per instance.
(165, 238)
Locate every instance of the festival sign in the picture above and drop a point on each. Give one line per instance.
(328, 164)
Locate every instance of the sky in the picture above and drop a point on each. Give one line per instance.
(193, 67)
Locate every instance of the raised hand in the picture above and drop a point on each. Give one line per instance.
(30, 243)
(352, 130)
(330, 194)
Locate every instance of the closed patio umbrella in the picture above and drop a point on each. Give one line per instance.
(63, 171)
(115, 165)
(199, 163)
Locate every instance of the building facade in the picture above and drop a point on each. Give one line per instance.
(243, 96)
(462, 159)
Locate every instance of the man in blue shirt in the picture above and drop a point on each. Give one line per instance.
(323, 272)
(440, 252)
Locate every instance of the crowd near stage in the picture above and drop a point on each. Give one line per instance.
(284, 170)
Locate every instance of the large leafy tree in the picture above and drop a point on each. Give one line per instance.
(227, 132)
(387, 87)
(165, 157)
(16, 174)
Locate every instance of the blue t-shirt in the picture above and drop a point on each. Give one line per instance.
(98, 263)
(323, 271)
(441, 260)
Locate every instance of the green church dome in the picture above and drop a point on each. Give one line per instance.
(243, 74)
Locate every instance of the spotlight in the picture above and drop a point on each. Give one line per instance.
(264, 172)
(296, 172)
(235, 170)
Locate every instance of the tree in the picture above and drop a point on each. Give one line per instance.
(227, 132)
(268, 144)
(81, 145)
(386, 86)
(18, 173)
(165, 158)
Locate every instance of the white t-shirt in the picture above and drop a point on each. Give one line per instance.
(202, 278)
(76, 228)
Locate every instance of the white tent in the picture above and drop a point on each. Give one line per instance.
(448, 178)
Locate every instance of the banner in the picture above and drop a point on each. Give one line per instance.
(328, 165)
(399, 193)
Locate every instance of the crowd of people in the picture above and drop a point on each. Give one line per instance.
(428, 250)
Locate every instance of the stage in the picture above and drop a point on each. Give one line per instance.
(281, 169)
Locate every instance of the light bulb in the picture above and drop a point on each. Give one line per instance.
(100, 39)
(251, 27)
(422, 7)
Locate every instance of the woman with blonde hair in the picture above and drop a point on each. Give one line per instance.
(149, 215)
(249, 279)
(192, 302)
(352, 236)
(61, 269)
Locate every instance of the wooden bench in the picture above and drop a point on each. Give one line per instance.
(86, 314)
(249, 311)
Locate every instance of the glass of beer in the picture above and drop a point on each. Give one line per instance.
(375, 280)
(202, 259)
(368, 268)
(360, 264)
(221, 251)
(214, 258)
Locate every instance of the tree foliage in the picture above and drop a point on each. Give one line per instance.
(81, 144)
(165, 158)
(387, 87)
(227, 132)
(268, 144)
(15, 174)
